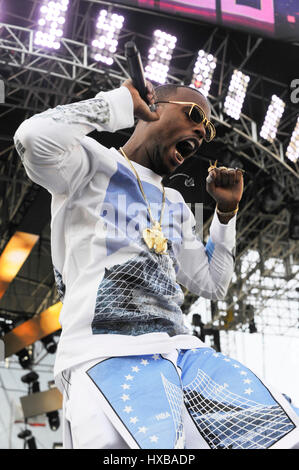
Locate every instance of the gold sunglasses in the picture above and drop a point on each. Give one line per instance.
(197, 115)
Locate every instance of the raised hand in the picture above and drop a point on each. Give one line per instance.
(141, 108)
(225, 185)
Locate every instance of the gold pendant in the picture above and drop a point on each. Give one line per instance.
(155, 239)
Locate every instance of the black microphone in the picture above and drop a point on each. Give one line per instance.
(136, 71)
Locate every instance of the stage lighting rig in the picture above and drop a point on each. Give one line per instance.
(25, 357)
(272, 119)
(203, 72)
(105, 43)
(54, 421)
(159, 56)
(293, 148)
(31, 379)
(50, 23)
(29, 440)
(49, 344)
(236, 94)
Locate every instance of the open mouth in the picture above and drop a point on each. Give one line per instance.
(185, 148)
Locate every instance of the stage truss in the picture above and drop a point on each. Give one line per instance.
(37, 79)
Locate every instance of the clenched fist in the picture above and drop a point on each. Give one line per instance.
(225, 185)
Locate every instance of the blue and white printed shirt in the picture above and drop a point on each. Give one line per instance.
(118, 297)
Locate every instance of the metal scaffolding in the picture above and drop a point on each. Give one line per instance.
(37, 79)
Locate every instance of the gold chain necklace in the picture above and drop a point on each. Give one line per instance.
(153, 236)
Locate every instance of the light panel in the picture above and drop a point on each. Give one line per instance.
(105, 42)
(293, 148)
(203, 72)
(236, 94)
(51, 23)
(13, 257)
(159, 56)
(272, 119)
(33, 330)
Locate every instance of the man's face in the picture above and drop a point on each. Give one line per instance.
(173, 130)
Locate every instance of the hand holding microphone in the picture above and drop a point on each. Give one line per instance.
(142, 90)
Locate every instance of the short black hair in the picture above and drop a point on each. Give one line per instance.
(164, 92)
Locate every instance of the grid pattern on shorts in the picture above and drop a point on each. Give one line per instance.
(175, 399)
(227, 420)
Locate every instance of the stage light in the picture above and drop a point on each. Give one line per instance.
(159, 56)
(32, 380)
(236, 94)
(54, 421)
(203, 72)
(272, 119)
(50, 23)
(29, 440)
(49, 344)
(29, 378)
(25, 357)
(105, 42)
(13, 257)
(293, 148)
(24, 434)
(33, 330)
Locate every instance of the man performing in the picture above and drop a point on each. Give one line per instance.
(131, 374)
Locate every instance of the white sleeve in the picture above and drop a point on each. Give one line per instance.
(50, 143)
(207, 270)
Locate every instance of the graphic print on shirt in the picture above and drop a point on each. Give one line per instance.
(141, 295)
(125, 215)
(95, 110)
(138, 297)
(60, 286)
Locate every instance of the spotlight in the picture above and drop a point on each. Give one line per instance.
(203, 72)
(49, 344)
(50, 23)
(105, 41)
(294, 222)
(29, 440)
(54, 421)
(5, 326)
(236, 94)
(24, 434)
(159, 56)
(25, 357)
(272, 119)
(32, 380)
(293, 148)
(30, 377)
